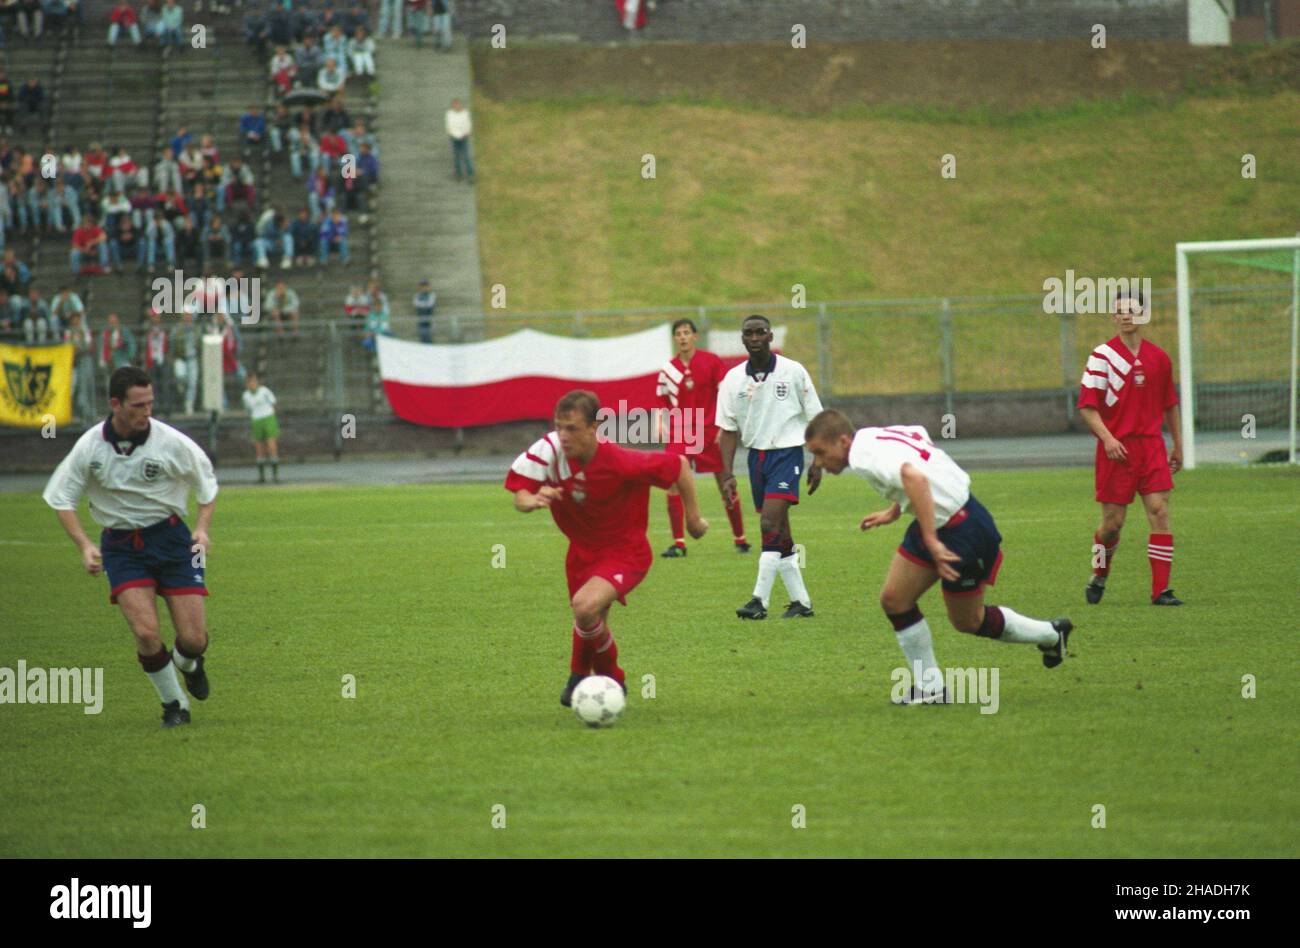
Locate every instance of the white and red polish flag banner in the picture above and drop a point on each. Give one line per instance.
(521, 376)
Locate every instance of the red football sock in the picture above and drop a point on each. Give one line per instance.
(1160, 553)
(580, 662)
(737, 520)
(605, 658)
(1104, 569)
(677, 518)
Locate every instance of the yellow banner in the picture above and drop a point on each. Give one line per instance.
(37, 385)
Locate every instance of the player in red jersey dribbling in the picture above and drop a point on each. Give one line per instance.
(1126, 392)
(599, 495)
(688, 390)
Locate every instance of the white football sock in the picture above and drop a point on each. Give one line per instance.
(1019, 628)
(168, 686)
(918, 649)
(793, 579)
(183, 663)
(769, 561)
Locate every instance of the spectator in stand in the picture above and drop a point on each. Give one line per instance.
(304, 150)
(200, 206)
(191, 163)
(390, 18)
(173, 22)
(309, 61)
(283, 70)
(167, 173)
(310, 117)
(332, 148)
(419, 15)
(335, 118)
(96, 161)
(320, 195)
(123, 18)
(151, 19)
(237, 184)
(216, 242)
(18, 203)
(278, 127)
(442, 11)
(424, 302)
(31, 101)
(208, 148)
(211, 175)
(361, 51)
(12, 282)
(31, 18)
(39, 327)
(242, 237)
(273, 239)
(282, 305)
(334, 45)
(306, 236)
(252, 128)
(40, 206)
(231, 367)
(113, 208)
(160, 234)
(188, 247)
(356, 136)
(171, 203)
(357, 186)
(185, 359)
(65, 206)
(333, 77)
(356, 307)
(125, 173)
(377, 320)
(257, 32)
(126, 242)
(459, 128)
(116, 345)
(334, 236)
(156, 356)
(65, 305)
(71, 164)
(180, 141)
(89, 240)
(143, 203)
(78, 336)
(10, 259)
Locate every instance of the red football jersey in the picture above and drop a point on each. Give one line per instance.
(1131, 393)
(605, 502)
(692, 388)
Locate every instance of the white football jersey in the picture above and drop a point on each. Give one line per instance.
(878, 454)
(260, 404)
(770, 411)
(136, 490)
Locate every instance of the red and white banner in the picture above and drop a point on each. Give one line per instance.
(521, 376)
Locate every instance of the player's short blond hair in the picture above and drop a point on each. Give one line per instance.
(828, 425)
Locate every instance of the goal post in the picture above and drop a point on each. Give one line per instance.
(1285, 258)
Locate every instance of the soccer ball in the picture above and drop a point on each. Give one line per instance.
(598, 701)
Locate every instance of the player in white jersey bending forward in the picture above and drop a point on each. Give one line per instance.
(765, 404)
(953, 539)
(138, 473)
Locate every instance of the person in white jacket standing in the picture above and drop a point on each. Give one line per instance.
(459, 128)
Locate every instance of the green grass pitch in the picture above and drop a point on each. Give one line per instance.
(459, 664)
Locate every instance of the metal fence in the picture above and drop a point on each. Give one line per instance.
(985, 347)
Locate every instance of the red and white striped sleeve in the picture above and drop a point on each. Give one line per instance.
(669, 384)
(1103, 377)
(536, 467)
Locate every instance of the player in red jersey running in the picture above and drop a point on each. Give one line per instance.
(599, 495)
(1126, 392)
(688, 391)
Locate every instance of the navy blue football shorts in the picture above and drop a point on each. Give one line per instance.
(775, 473)
(972, 535)
(157, 555)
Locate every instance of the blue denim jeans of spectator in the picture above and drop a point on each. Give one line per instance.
(341, 247)
(390, 18)
(264, 247)
(101, 252)
(460, 157)
(442, 28)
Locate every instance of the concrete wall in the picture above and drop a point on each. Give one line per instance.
(767, 20)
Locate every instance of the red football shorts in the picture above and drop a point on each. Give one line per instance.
(709, 458)
(622, 569)
(1146, 470)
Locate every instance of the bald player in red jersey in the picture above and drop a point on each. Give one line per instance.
(599, 495)
(1127, 391)
(688, 390)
